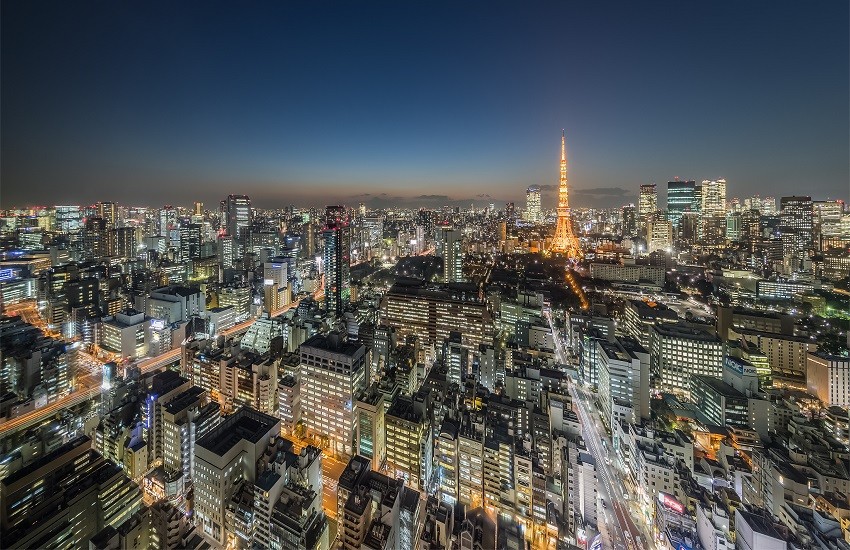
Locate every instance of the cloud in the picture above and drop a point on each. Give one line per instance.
(602, 192)
(385, 200)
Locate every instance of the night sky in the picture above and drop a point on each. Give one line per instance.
(417, 103)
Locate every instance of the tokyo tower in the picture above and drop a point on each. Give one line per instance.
(565, 241)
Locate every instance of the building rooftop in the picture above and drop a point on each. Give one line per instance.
(410, 499)
(176, 290)
(631, 345)
(246, 423)
(333, 343)
(653, 310)
(165, 381)
(759, 524)
(354, 470)
(288, 381)
(613, 350)
(684, 331)
(718, 386)
(47, 459)
(464, 292)
(403, 407)
(185, 399)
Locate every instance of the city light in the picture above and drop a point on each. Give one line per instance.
(324, 281)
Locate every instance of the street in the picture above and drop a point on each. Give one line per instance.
(626, 533)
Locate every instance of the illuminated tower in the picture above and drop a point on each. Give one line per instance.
(565, 241)
(337, 260)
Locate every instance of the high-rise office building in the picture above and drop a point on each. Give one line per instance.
(276, 290)
(69, 219)
(796, 227)
(190, 241)
(533, 213)
(370, 428)
(623, 380)
(828, 214)
(432, 314)
(680, 199)
(333, 374)
(678, 351)
(337, 260)
(768, 206)
(65, 497)
(409, 439)
(628, 214)
(125, 240)
(510, 213)
(95, 238)
(169, 226)
(659, 234)
(713, 198)
(647, 203)
(451, 249)
(456, 359)
(712, 220)
(32, 364)
(239, 483)
(238, 208)
(109, 212)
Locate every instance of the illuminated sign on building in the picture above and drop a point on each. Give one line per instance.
(670, 502)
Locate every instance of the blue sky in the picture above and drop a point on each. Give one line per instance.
(418, 103)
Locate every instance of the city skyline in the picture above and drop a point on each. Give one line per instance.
(320, 276)
(358, 105)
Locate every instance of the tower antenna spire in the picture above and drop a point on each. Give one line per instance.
(563, 145)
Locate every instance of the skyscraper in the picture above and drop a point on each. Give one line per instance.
(451, 249)
(95, 238)
(796, 227)
(647, 203)
(239, 221)
(190, 241)
(712, 230)
(629, 220)
(680, 199)
(168, 226)
(510, 213)
(713, 197)
(109, 212)
(564, 241)
(532, 204)
(334, 373)
(337, 259)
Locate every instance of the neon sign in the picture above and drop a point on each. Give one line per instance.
(670, 502)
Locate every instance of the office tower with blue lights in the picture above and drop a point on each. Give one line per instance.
(336, 259)
(680, 199)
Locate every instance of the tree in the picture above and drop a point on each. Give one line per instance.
(704, 287)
